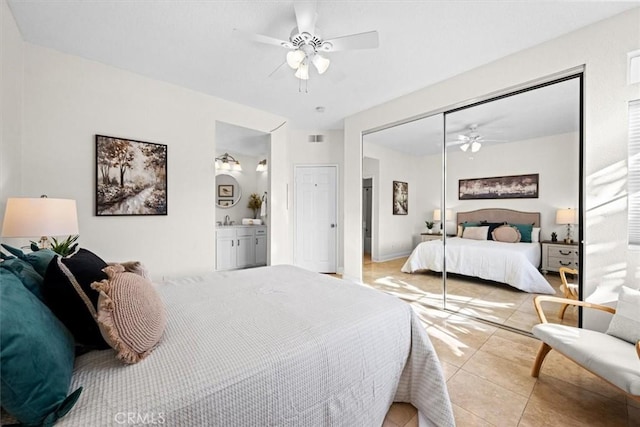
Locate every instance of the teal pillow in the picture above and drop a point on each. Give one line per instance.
(39, 259)
(36, 357)
(26, 273)
(525, 231)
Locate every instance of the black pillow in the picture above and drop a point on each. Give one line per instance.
(74, 307)
(492, 226)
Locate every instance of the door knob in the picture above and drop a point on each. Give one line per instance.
(333, 226)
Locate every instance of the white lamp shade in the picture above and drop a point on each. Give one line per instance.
(294, 58)
(475, 146)
(31, 217)
(321, 63)
(236, 167)
(566, 216)
(437, 215)
(465, 146)
(303, 71)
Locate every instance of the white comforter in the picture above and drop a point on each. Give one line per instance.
(273, 346)
(512, 263)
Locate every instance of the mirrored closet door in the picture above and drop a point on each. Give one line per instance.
(477, 210)
(512, 185)
(402, 193)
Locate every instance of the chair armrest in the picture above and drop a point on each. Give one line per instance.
(540, 298)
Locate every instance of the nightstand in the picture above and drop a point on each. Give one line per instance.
(558, 254)
(425, 237)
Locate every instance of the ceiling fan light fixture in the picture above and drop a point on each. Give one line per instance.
(321, 63)
(465, 146)
(475, 146)
(303, 71)
(295, 58)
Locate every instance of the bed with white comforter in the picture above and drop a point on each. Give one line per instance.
(512, 263)
(273, 346)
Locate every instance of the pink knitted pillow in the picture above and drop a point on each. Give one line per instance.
(130, 314)
(134, 267)
(507, 234)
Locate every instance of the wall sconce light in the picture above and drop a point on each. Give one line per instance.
(35, 217)
(226, 162)
(567, 216)
(262, 166)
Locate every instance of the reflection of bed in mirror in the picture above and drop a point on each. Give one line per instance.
(515, 264)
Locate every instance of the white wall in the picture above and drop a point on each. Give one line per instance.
(394, 234)
(603, 49)
(67, 100)
(554, 158)
(329, 152)
(11, 63)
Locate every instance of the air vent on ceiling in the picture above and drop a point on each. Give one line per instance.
(316, 138)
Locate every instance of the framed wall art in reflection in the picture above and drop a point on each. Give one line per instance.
(400, 198)
(500, 187)
(131, 177)
(225, 190)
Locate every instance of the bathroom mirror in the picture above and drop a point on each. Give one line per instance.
(228, 191)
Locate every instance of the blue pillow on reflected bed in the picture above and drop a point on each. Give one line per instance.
(36, 357)
(525, 231)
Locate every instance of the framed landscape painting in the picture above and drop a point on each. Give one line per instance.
(131, 177)
(400, 198)
(501, 187)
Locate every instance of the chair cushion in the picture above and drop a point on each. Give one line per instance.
(611, 358)
(625, 324)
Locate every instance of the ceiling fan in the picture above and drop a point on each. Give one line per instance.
(305, 43)
(472, 140)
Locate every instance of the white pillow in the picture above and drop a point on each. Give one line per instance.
(475, 233)
(625, 324)
(535, 235)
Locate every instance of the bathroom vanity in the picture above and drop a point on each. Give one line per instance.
(241, 246)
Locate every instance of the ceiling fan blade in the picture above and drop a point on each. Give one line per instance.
(368, 40)
(306, 16)
(245, 35)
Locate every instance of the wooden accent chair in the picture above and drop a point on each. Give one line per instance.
(612, 359)
(570, 289)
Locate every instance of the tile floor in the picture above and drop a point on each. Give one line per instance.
(488, 369)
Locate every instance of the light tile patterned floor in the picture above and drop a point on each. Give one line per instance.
(488, 368)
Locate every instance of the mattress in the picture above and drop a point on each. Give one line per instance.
(512, 263)
(277, 346)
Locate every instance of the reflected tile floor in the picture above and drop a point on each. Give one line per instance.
(488, 368)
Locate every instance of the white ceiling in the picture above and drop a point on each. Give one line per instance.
(549, 110)
(190, 43)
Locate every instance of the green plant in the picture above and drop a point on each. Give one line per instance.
(63, 247)
(429, 224)
(255, 203)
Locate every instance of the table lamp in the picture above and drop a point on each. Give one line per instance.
(40, 217)
(437, 216)
(567, 216)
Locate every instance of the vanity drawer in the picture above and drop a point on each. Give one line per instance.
(226, 232)
(261, 231)
(244, 231)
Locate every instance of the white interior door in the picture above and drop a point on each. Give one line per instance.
(315, 218)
